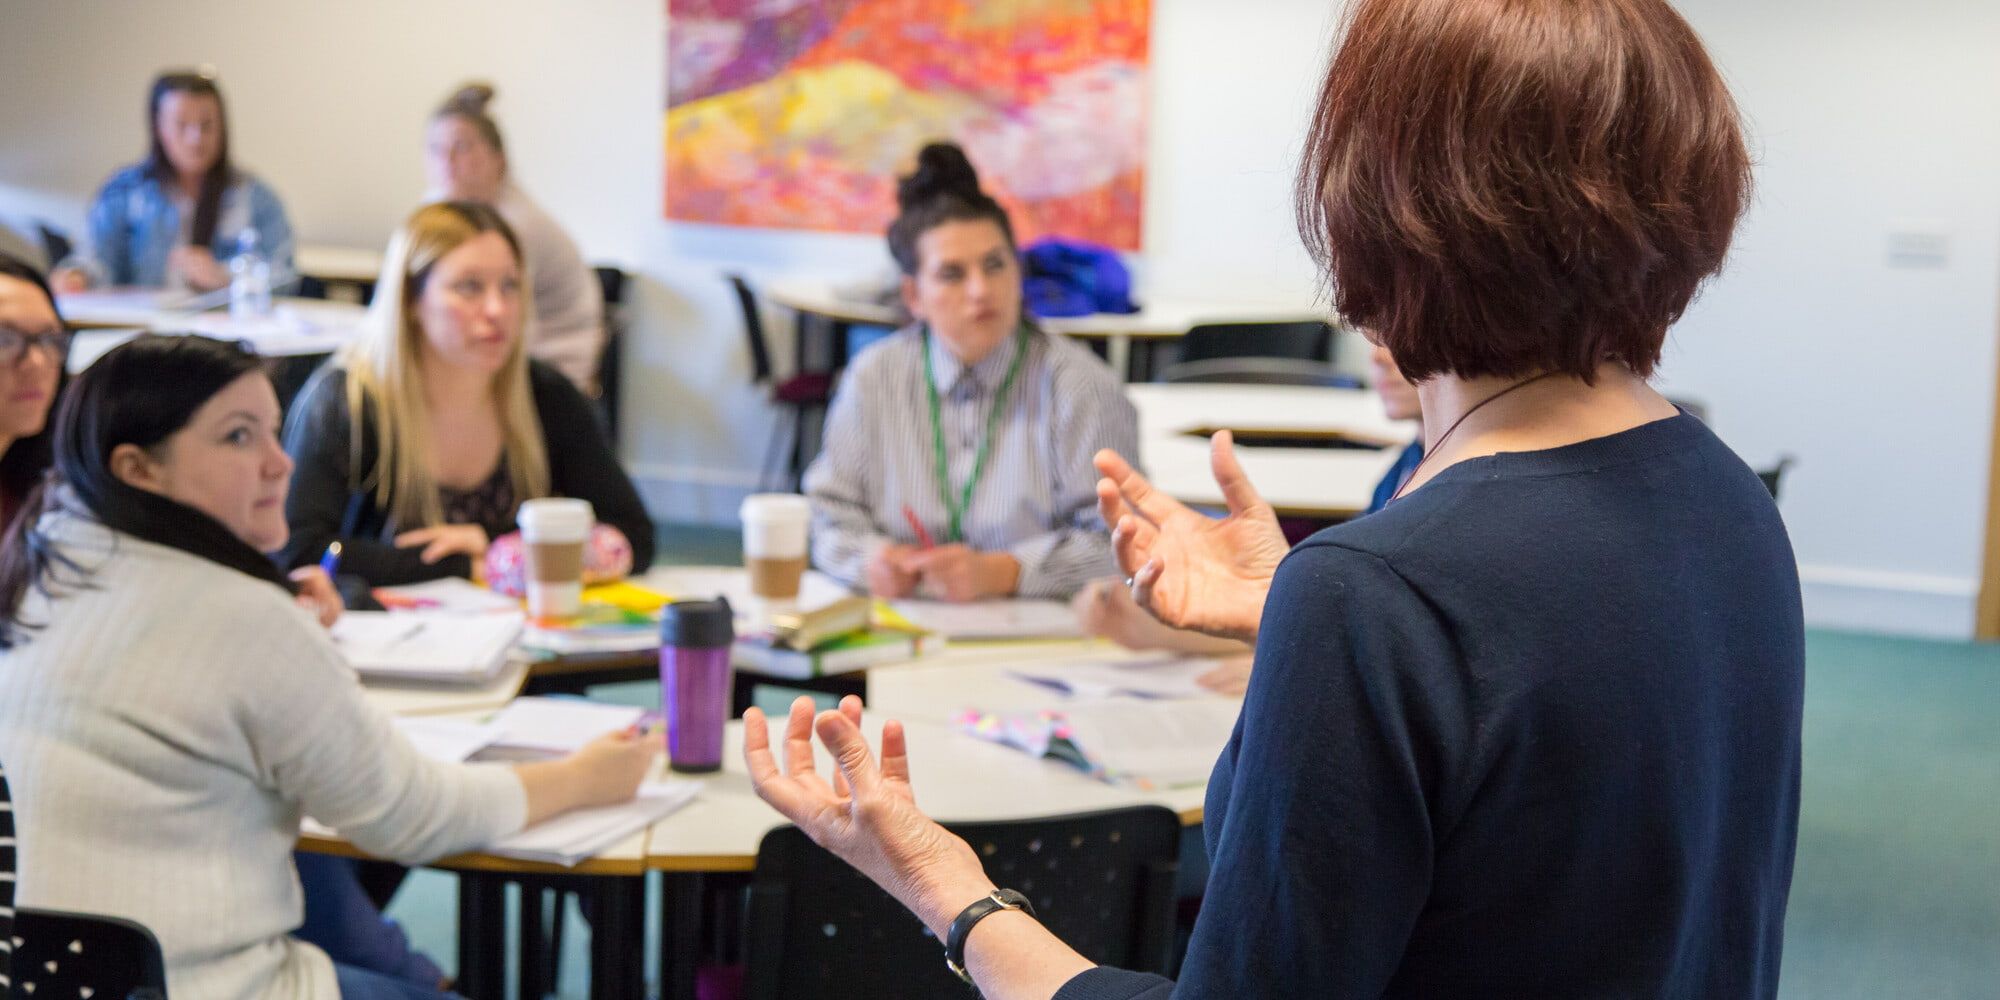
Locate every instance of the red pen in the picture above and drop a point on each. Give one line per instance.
(923, 537)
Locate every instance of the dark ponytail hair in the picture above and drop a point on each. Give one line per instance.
(944, 188)
(207, 203)
(25, 460)
(140, 393)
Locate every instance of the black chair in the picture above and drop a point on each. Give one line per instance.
(7, 868)
(610, 363)
(1775, 474)
(78, 954)
(1103, 882)
(55, 244)
(801, 393)
(1311, 340)
(1261, 371)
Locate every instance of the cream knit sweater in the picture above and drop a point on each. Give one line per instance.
(163, 734)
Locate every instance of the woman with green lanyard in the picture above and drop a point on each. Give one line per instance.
(957, 454)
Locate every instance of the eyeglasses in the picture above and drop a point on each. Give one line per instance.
(14, 345)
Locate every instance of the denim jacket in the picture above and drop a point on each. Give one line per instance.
(136, 221)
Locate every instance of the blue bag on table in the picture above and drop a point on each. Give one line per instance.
(1073, 278)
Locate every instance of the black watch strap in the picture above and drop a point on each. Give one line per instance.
(961, 928)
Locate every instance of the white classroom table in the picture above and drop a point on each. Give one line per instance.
(1157, 318)
(1297, 481)
(957, 778)
(296, 327)
(345, 265)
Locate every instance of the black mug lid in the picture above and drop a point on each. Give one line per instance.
(698, 624)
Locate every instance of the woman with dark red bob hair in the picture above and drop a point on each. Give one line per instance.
(1532, 730)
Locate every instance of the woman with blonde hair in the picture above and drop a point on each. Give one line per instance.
(415, 447)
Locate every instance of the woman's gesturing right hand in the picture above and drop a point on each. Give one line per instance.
(1193, 571)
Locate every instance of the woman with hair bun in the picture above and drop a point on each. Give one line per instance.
(957, 457)
(467, 161)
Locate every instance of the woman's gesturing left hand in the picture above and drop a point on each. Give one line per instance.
(867, 815)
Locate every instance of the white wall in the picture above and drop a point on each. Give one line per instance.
(1868, 118)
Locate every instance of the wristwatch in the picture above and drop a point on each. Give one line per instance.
(961, 927)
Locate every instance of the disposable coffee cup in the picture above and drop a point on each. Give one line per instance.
(774, 543)
(554, 531)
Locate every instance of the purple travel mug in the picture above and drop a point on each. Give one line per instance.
(694, 681)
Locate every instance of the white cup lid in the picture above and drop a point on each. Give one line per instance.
(775, 507)
(562, 516)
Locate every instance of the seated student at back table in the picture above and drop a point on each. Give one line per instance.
(456, 427)
(174, 220)
(466, 161)
(972, 423)
(1105, 606)
(168, 713)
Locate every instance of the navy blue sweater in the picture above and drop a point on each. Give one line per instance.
(1531, 731)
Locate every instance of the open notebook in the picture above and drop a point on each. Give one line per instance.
(1148, 744)
(426, 645)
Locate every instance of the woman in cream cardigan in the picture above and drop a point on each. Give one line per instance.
(168, 712)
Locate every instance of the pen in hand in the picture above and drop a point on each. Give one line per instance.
(917, 526)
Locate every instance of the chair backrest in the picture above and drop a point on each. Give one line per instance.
(1774, 475)
(79, 954)
(610, 364)
(55, 244)
(6, 886)
(1103, 882)
(753, 330)
(1311, 340)
(1261, 371)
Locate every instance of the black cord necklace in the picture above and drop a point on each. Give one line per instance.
(1438, 445)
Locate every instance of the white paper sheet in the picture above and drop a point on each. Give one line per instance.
(559, 725)
(448, 740)
(1163, 676)
(582, 833)
(1005, 619)
(1166, 744)
(451, 594)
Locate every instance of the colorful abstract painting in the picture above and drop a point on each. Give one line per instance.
(800, 113)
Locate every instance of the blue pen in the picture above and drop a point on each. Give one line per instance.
(330, 563)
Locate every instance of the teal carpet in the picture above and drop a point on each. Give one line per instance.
(1896, 895)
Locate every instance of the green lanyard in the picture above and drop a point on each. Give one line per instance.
(955, 512)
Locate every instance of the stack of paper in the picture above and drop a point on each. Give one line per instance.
(580, 834)
(1000, 619)
(559, 725)
(426, 645)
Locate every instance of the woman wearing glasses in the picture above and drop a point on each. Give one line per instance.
(33, 344)
(175, 219)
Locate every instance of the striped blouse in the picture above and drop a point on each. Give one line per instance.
(1036, 500)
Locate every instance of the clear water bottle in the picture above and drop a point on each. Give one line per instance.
(249, 279)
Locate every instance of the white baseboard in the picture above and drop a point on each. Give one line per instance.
(692, 494)
(1918, 604)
